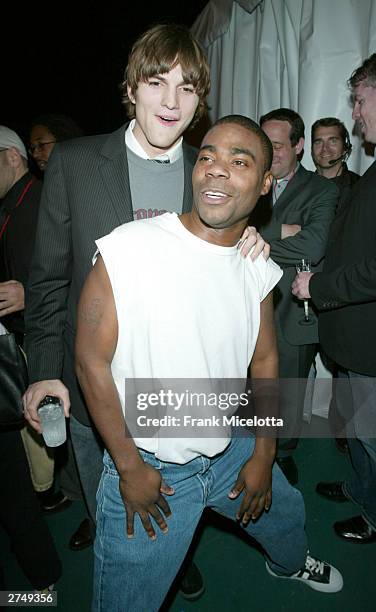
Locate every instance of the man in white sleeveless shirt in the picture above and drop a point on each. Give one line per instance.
(192, 308)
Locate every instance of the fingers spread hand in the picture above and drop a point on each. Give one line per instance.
(130, 523)
(162, 503)
(145, 520)
(236, 489)
(166, 489)
(159, 519)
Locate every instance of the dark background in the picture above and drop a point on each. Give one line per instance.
(59, 58)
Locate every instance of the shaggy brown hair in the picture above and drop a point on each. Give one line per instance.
(158, 51)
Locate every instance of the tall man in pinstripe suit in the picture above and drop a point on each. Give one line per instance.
(94, 184)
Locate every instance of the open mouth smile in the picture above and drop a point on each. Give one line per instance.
(165, 120)
(214, 196)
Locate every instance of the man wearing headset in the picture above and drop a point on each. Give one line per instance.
(331, 148)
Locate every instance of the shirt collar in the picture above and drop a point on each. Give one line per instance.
(132, 143)
(288, 177)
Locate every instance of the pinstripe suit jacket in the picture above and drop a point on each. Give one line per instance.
(86, 194)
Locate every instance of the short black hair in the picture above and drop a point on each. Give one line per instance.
(62, 127)
(253, 127)
(286, 114)
(366, 72)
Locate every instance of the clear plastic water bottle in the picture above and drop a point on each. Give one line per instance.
(51, 414)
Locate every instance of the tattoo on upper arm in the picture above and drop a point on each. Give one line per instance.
(93, 313)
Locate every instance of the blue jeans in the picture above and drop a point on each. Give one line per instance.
(135, 574)
(88, 450)
(361, 485)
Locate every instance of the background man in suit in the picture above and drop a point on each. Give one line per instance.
(20, 512)
(345, 293)
(330, 149)
(294, 218)
(91, 186)
(20, 193)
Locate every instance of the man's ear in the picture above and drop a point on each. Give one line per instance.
(267, 182)
(299, 146)
(14, 157)
(130, 95)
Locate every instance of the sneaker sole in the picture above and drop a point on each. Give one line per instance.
(316, 586)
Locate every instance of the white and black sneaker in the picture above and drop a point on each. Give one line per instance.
(316, 574)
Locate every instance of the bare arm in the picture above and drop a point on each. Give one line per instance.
(95, 347)
(264, 374)
(97, 331)
(255, 477)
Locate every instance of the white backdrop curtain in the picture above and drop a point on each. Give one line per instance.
(265, 54)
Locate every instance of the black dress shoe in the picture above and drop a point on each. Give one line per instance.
(332, 491)
(341, 444)
(289, 468)
(355, 529)
(53, 502)
(82, 537)
(192, 585)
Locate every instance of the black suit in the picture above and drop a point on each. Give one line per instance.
(345, 292)
(16, 244)
(310, 201)
(86, 194)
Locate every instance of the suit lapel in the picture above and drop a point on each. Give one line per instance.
(114, 170)
(190, 156)
(291, 192)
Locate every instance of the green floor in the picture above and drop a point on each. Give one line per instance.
(235, 575)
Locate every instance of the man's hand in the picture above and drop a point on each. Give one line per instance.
(251, 238)
(300, 286)
(38, 391)
(12, 297)
(289, 229)
(141, 489)
(255, 479)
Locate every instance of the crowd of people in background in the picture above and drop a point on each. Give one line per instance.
(85, 329)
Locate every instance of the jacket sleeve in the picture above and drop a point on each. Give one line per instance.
(50, 277)
(349, 284)
(311, 240)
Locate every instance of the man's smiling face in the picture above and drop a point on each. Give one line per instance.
(229, 176)
(327, 146)
(164, 106)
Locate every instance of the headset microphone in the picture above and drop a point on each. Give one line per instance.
(331, 162)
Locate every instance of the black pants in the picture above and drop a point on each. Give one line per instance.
(21, 516)
(294, 366)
